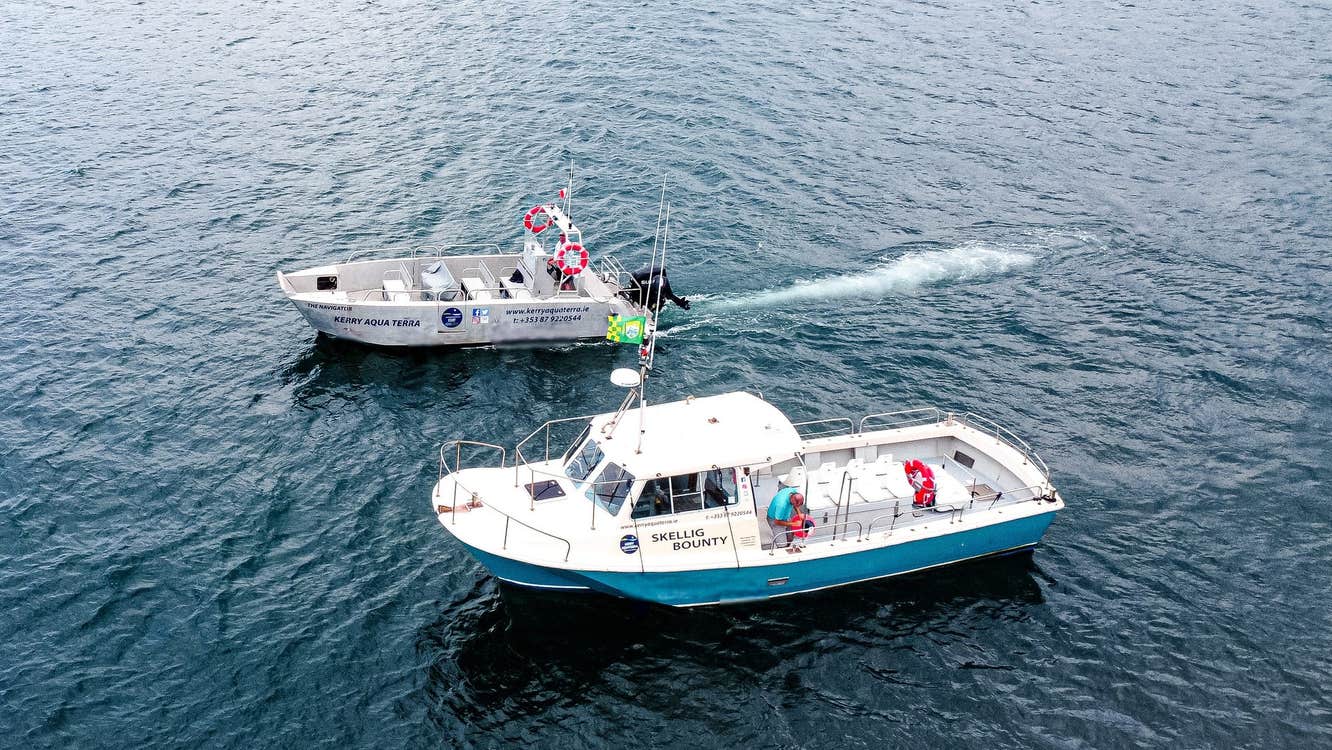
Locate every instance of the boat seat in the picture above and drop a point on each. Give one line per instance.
(437, 279)
(515, 290)
(823, 487)
(891, 479)
(949, 492)
(395, 290)
(475, 289)
(862, 485)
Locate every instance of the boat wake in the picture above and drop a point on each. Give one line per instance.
(902, 275)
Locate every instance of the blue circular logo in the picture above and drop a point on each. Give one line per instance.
(451, 317)
(628, 544)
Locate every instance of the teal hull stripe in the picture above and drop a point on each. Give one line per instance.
(722, 585)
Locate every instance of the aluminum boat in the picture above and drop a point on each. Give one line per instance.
(460, 295)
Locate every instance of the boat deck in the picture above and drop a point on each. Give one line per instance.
(854, 500)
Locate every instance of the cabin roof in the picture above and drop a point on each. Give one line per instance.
(733, 429)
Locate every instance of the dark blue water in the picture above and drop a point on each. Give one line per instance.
(1105, 225)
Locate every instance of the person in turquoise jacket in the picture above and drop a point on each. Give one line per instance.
(786, 515)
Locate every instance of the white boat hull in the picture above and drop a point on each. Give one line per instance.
(535, 524)
(460, 323)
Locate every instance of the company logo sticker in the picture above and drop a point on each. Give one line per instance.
(628, 544)
(451, 317)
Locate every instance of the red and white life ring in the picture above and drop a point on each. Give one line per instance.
(571, 258)
(530, 223)
(921, 477)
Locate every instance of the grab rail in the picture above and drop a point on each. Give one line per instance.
(518, 449)
(445, 469)
(420, 251)
(1006, 435)
(424, 295)
(831, 531)
(935, 416)
(568, 548)
(896, 514)
(850, 427)
(610, 269)
(953, 509)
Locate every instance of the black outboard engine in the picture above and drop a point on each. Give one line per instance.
(652, 289)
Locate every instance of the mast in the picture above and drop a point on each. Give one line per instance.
(648, 349)
(568, 194)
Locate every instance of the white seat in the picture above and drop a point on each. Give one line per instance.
(515, 290)
(949, 492)
(475, 289)
(892, 480)
(860, 479)
(395, 290)
(826, 485)
(438, 280)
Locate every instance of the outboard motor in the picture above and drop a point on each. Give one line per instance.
(652, 289)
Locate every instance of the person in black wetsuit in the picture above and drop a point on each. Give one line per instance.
(652, 288)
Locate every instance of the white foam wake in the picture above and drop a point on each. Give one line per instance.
(911, 271)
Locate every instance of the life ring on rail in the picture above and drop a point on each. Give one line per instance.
(571, 258)
(531, 225)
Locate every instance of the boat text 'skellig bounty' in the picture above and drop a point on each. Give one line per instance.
(431, 296)
(671, 502)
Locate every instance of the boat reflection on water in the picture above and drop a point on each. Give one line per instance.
(506, 655)
(335, 367)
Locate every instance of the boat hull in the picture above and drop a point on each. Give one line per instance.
(463, 323)
(794, 575)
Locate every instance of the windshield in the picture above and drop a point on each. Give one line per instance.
(611, 488)
(584, 460)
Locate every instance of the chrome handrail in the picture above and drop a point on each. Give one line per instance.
(850, 427)
(518, 449)
(610, 268)
(1006, 435)
(445, 469)
(363, 295)
(830, 531)
(568, 548)
(417, 251)
(937, 416)
(931, 414)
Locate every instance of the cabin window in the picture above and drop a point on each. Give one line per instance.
(611, 488)
(686, 492)
(654, 500)
(584, 460)
(719, 488)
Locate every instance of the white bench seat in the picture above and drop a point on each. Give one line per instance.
(515, 290)
(395, 290)
(475, 289)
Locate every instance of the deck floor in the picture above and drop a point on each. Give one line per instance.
(880, 498)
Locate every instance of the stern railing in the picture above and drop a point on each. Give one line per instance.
(933, 415)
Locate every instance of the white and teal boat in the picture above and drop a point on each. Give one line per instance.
(667, 503)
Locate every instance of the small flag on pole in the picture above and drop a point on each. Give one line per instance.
(624, 330)
(561, 193)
